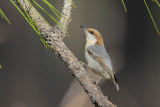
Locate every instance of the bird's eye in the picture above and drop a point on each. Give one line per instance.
(91, 32)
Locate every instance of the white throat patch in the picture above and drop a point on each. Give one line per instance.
(90, 39)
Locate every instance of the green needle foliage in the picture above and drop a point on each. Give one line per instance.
(148, 12)
(57, 22)
(157, 3)
(0, 67)
(72, 4)
(124, 6)
(32, 21)
(4, 16)
(151, 17)
(54, 10)
(36, 11)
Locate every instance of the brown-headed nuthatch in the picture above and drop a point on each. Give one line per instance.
(96, 55)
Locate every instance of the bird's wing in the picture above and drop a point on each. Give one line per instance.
(99, 54)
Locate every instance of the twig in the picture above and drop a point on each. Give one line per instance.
(54, 38)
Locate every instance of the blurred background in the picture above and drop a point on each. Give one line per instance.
(33, 76)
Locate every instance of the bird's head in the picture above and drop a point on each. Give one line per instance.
(93, 37)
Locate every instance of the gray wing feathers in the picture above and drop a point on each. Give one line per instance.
(99, 54)
(100, 51)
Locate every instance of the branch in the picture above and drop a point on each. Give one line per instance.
(54, 38)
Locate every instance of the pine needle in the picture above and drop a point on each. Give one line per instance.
(0, 67)
(157, 3)
(54, 9)
(62, 26)
(31, 22)
(151, 17)
(124, 6)
(72, 4)
(4, 16)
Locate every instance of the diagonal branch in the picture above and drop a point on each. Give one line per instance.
(55, 39)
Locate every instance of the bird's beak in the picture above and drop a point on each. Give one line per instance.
(85, 30)
(83, 27)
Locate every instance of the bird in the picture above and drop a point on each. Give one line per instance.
(96, 55)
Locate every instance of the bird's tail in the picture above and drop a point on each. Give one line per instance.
(117, 86)
(113, 79)
(116, 83)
